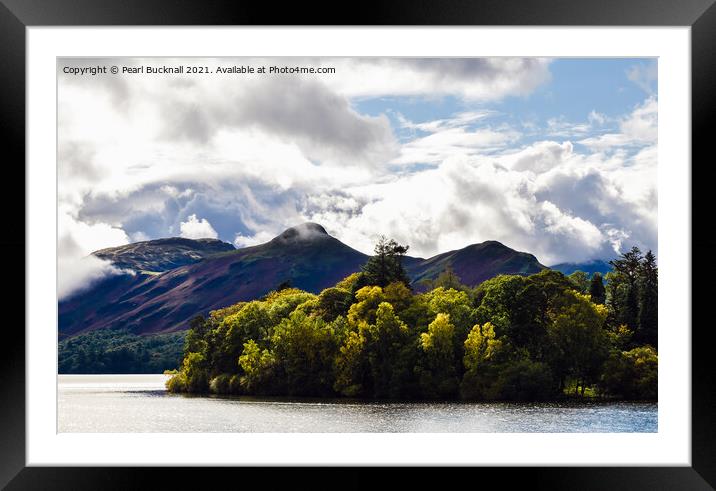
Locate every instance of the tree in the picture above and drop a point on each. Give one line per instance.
(384, 340)
(193, 376)
(483, 354)
(481, 346)
(304, 348)
(351, 365)
(386, 266)
(438, 377)
(257, 366)
(447, 279)
(194, 340)
(628, 268)
(284, 285)
(457, 305)
(334, 302)
(596, 289)
(578, 341)
(454, 303)
(580, 279)
(365, 364)
(252, 322)
(366, 305)
(648, 303)
(632, 374)
(517, 307)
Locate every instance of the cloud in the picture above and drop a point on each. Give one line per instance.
(252, 240)
(450, 142)
(547, 198)
(563, 128)
(636, 129)
(453, 136)
(76, 274)
(195, 228)
(597, 118)
(482, 79)
(457, 120)
(644, 76)
(76, 269)
(243, 158)
(304, 112)
(539, 157)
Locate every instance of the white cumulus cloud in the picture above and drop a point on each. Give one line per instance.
(195, 228)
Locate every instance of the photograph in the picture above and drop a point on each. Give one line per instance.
(370, 244)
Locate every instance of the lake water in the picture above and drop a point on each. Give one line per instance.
(139, 403)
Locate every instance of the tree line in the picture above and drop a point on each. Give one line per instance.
(529, 338)
(119, 351)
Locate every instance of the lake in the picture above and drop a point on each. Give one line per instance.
(139, 403)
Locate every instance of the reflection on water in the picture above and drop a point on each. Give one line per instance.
(138, 403)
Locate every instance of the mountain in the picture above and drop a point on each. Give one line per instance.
(589, 267)
(162, 254)
(475, 263)
(305, 255)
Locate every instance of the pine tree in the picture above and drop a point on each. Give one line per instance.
(629, 266)
(648, 301)
(596, 289)
(386, 266)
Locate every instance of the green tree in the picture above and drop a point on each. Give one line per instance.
(483, 354)
(366, 305)
(253, 322)
(498, 301)
(596, 289)
(281, 303)
(628, 267)
(481, 346)
(386, 266)
(579, 343)
(447, 279)
(384, 341)
(456, 304)
(194, 340)
(258, 368)
(648, 304)
(632, 374)
(580, 280)
(193, 376)
(351, 365)
(352, 283)
(523, 379)
(438, 377)
(517, 306)
(303, 349)
(334, 302)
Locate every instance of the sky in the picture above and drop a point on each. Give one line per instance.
(556, 157)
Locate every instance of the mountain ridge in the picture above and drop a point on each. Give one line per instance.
(162, 254)
(590, 267)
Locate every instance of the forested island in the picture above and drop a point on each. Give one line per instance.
(540, 337)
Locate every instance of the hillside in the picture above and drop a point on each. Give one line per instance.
(475, 263)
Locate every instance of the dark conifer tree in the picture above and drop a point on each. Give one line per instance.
(629, 266)
(596, 289)
(386, 266)
(648, 302)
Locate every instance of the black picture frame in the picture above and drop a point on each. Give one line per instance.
(16, 15)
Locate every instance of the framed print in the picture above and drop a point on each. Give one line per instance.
(430, 236)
